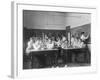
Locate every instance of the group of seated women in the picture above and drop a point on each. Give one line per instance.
(39, 43)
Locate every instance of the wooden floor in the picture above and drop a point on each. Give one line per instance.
(77, 64)
(27, 65)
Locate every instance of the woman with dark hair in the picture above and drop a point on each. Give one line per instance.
(83, 37)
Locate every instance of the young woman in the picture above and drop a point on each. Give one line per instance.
(29, 46)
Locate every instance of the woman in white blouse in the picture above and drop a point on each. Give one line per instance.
(50, 44)
(29, 46)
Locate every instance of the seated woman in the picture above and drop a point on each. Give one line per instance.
(58, 42)
(50, 44)
(64, 44)
(29, 46)
(42, 44)
(80, 44)
(33, 44)
(37, 44)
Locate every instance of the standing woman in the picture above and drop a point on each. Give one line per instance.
(83, 37)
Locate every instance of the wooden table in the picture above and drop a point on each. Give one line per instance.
(47, 58)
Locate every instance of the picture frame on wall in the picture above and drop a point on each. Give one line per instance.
(50, 40)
